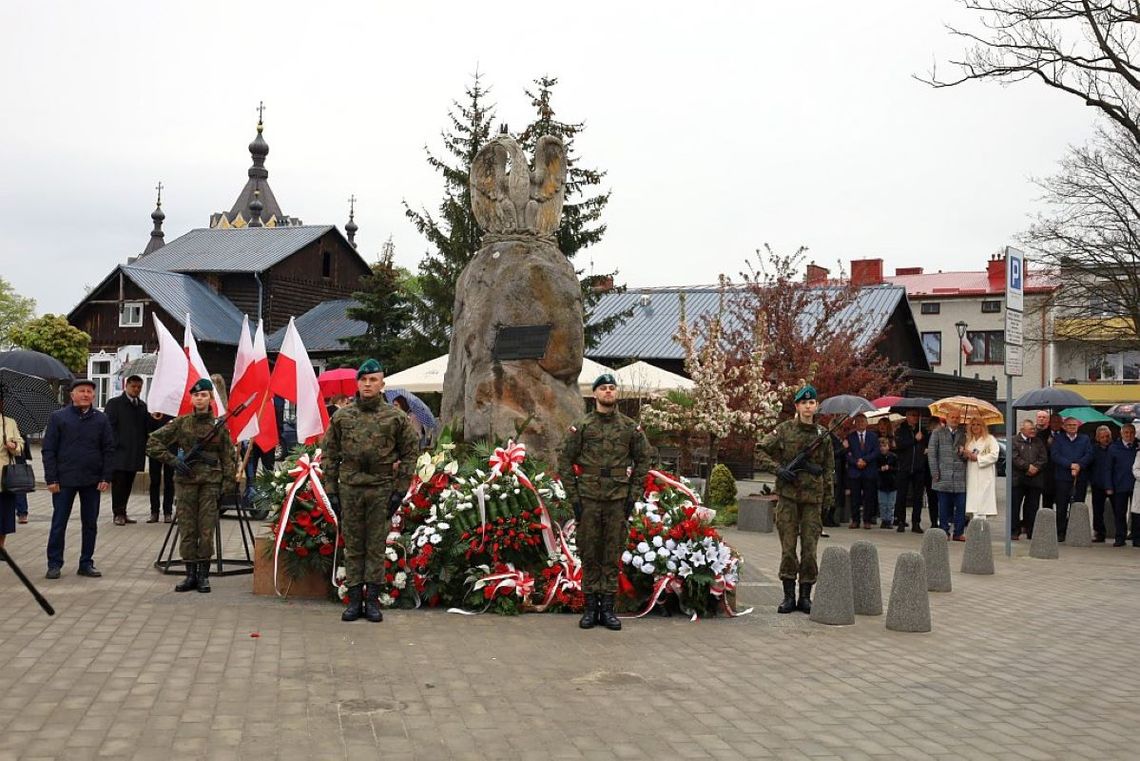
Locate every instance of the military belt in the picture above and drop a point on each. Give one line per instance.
(603, 472)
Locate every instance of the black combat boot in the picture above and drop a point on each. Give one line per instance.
(789, 603)
(352, 612)
(589, 613)
(191, 580)
(372, 606)
(606, 615)
(204, 577)
(805, 597)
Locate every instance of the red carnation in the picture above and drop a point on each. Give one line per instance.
(326, 549)
(303, 519)
(312, 530)
(394, 593)
(301, 551)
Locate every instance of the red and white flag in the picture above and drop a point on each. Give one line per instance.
(294, 380)
(169, 384)
(967, 346)
(197, 371)
(251, 377)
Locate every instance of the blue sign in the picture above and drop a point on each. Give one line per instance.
(1014, 279)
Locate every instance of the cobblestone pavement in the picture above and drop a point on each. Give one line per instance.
(1024, 664)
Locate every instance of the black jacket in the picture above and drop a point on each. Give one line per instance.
(1026, 453)
(129, 423)
(78, 448)
(911, 453)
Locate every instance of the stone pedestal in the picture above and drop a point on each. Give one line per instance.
(314, 586)
(936, 555)
(1079, 531)
(756, 514)
(908, 610)
(978, 556)
(1044, 544)
(833, 602)
(865, 583)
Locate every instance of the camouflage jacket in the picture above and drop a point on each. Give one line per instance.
(604, 457)
(181, 434)
(787, 440)
(369, 444)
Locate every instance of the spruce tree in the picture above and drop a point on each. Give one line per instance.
(582, 210)
(453, 233)
(383, 304)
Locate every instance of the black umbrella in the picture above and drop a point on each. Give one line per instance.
(845, 404)
(35, 363)
(920, 403)
(1125, 411)
(1049, 397)
(26, 399)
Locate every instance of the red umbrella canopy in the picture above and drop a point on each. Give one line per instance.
(886, 401)
(339, 381)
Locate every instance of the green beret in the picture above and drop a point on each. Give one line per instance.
(202, 384)
(370, 366)
(604, 379)
(806, 393)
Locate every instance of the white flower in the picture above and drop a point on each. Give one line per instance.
(670, 565)
(648, 568)
(626, 557)
(642, 547)
(662, 552)
(390, 553)
(341, 573)
(424, 466)
(636, 562)
(421, 540)
(650, 556)
(386, 600)
(401, 579)
(670, 544)
(443, 526)
(436, 539)
(657, 541)
(685, 570)
(451, 468)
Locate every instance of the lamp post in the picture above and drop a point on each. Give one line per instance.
(961, 326)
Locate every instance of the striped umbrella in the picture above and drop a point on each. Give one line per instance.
(27, 399)
(416, 406)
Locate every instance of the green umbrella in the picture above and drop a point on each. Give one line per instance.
(1087, 415)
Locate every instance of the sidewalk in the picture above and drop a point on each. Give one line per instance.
(1025, 664)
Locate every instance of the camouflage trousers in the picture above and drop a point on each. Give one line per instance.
(798, 520)
(197, 516)
(601, 535)
(364, 524)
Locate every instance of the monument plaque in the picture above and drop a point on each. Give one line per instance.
(521, 342)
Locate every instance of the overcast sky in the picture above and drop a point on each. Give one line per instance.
(723, 125)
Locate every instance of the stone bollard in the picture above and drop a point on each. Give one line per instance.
(978, 556)
(937, 557)
(755, 513)
(1044, 544)
(1079, 532)
(833, 602)
(866, 587)
(909, 607)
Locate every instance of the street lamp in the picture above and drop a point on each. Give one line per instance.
(961, 326)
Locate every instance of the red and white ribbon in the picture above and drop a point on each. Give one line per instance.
(306, 469)
(663, 478)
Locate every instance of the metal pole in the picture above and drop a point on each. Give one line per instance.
(1010, 425)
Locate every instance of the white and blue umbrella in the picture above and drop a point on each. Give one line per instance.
(416, 407)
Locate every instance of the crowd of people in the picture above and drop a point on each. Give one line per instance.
(951, 466)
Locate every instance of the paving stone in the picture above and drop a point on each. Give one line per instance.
(1044, 545)
(978, 554)
(936, 555)
(865, 583)
(908, 609)
(1079, 531)
(833, 602)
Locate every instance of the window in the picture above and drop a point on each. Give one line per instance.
(131, 314)
(326, 264)
(991, 307)
(931, 307)
(989, 347)
(932, 344)
(99, 371)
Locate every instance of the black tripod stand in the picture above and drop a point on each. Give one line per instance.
(166, 563)
(27, 582)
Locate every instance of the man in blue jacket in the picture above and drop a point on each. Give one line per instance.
(78, 452)
(863, 472)
(1071, 455)
(1122, 457)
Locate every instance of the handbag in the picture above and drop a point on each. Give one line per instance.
(18, 478)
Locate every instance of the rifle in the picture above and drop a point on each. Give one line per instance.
(184, 460)
(791, 471)
(27, 582)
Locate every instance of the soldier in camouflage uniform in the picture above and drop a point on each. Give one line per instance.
(197, 484)
(603, 464)
(803, 495)
(369, 451)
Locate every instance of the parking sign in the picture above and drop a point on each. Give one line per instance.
(1014, 279)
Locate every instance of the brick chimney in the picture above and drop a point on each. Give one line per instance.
(995, 272)
(816, 275)
(866, 271)
(900, 271)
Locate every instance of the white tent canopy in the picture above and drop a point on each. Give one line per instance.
(644, 378)
(428, 376)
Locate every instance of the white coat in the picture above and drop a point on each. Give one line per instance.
(981, 477)
(1136, 492)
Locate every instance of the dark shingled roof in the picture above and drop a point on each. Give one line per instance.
(322, 328)
(245, 249)
(215, 318)
(648, 333)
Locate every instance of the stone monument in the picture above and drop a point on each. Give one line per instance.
(518, 335)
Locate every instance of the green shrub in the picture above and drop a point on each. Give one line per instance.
(722, 487)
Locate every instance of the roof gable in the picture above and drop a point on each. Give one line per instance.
(246, 249)
(323, 327)
(215, 319)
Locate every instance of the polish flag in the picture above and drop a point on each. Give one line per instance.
(197, 371)
(294, 380)
(967, 347)
(251, 376)
(168, 386)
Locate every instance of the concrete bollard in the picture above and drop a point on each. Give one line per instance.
(908, 610)
(1044, 544)
(978, 556)
(1079, 532)
(937, 557)
(865, 583)
(756, 514)
(833, 602)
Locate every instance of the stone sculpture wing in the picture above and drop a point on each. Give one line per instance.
(548, 184)
(490, 200)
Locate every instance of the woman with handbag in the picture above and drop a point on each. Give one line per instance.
(13, 446)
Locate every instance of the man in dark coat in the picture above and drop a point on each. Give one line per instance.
(78, 450)
(129, 422)
(863, 472)
(1029, 463)
(161, 475)
(1071, 454)
(910, 446)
